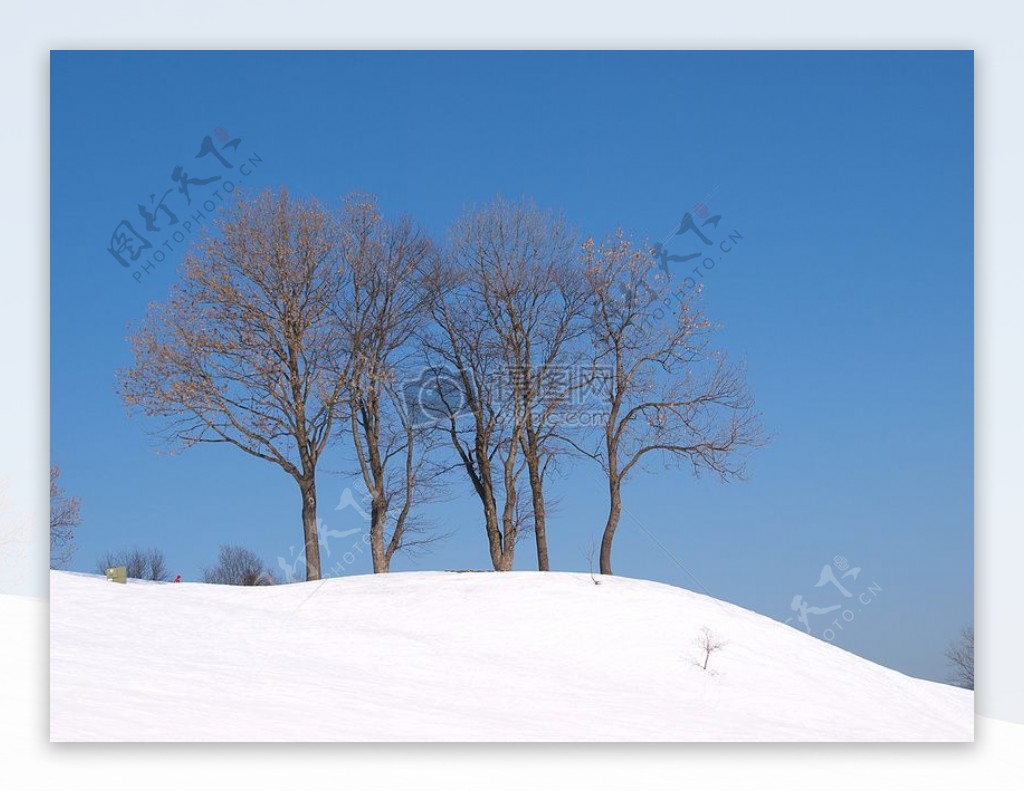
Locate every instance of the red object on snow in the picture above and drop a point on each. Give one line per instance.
(178, 579)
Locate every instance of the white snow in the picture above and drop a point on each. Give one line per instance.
(460, 656)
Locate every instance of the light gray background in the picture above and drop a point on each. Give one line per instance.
(992, 30)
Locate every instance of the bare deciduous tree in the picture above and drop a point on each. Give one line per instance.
(464, 377)
(237, 566)
(65, 516)
(502, 305)
(247, 350)
(665, 392)
(589, 551)
(709, 644)
(139, 564)
(383, 308)
(541, 302)
(960, 655)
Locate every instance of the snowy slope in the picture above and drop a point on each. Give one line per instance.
(449, 656)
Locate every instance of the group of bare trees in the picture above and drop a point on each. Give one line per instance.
(511, 348)
(139, 564)
(506, 304)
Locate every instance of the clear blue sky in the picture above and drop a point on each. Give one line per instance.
(849, 176)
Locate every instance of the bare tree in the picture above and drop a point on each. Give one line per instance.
(498, 304)
(64, 518)
(382, 310)
(247, 350)
(237, 566)
(540, 301)
(464, 379)
(139, 564)
(960, 655)
(665, 393)
(589, 551)
(708, 643)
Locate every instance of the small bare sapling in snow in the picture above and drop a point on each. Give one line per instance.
(589, 551)
(709, 643)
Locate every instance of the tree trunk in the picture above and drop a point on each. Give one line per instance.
(494, 538)
(508, 538)
(614, 512)
(539, 517)
(502, 547)
(312, 539)
(504, 556)
(508, 512)
(378, 516)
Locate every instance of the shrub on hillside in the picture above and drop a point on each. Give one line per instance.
(237, 566)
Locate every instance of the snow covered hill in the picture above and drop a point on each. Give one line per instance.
(460, 656)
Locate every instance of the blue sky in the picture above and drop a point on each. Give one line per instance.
(848, 175)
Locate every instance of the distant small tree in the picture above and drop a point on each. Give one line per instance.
(961, 658)
(64, 518)
(139, 564)
(237, 566)
(709, 643)
(589, 551)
